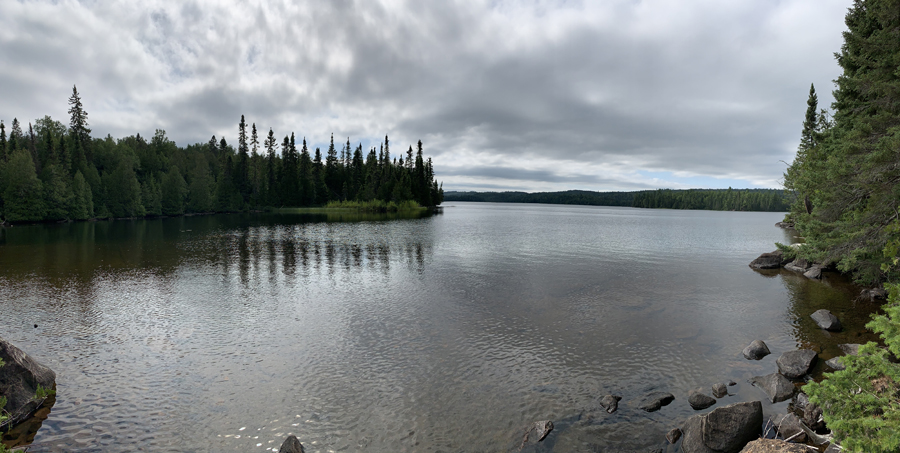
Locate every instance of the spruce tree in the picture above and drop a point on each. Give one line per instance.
(78, 128)
(15, 136)
(2, 142)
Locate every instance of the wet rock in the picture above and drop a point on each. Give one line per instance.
(826, 320)
(774, 446)
(291, 445)
(731, 383)
(835, 364)
(719, 390)
(801, 400)
(724, 430)
(699, 401)
(610, 402)
(813, 417)
(673, 435)
(653, 401)
(796, 364)
(536, 432)
(874, 294)
(777, 387)
(814, 272)
(789, 428)
(833, 448)
(756, 350)
(798, 265)
(785, 224)
(772, 260)
(19, 379)
(850, 348)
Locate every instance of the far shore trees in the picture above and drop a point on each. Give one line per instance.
(52, 172)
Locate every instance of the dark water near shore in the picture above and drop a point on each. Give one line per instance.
(439, 333)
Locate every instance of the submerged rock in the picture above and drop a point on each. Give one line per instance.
(777, 387)
(772, 260)
(850, 348)
(699, 401)
(610, 402)
(291, 445)
(796, 364)
(673, 435)
(536, 432)
(835, 364)
(720, 390)
(653, 401)
(826, 320)
(756, 350)
(20, 377)
(724, 430)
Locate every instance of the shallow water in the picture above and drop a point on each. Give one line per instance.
(439, 333)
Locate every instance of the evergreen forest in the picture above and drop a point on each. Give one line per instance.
(709, 199)
(50, 171)
(845, 180)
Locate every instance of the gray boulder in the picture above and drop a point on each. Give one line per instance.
(814, 272)
(798, 265)
(772, 260)
(724, 430)
(756, 350)
(610, 402)
(291, 445)
(789, 427)
(826, 320)
(796, 364)
(777, 387)
(699, 401)
(720, 390)
(655, 400)
(536, 432)
(19, 379)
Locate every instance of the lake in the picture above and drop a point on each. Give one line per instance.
(446, 332)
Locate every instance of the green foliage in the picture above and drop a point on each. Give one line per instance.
(41, 393)
(847, 177)
(22, 191)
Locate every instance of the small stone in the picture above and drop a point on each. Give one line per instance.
(719, 390)
(699, 401)
(756, 350)
(655, 400)
(673, 435)
(731, 383)
(610, 402)
(796, 364)
(826, 320)
(291, 445)
(814, 272)
(789, 428)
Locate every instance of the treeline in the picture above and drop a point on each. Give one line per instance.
(709, 199)
(53, 172)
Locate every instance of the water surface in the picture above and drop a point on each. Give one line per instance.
(438, 333)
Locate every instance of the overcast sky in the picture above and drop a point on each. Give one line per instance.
(505, 95)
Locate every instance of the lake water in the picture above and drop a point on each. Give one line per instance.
(447, 333)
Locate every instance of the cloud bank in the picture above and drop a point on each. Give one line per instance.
(528, 95)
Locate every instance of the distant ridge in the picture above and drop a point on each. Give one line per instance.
(773, 200)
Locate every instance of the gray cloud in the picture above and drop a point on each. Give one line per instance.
(520, 95)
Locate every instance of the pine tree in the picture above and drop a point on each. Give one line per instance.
(305, 176)
(242, 173)
(332, 172)
(318, 175)
(3, 152)
(15, 136)
(78, 128)
(254, 141)
(271, 182)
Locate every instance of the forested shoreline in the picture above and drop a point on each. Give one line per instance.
(706, 199)
(846, 183)
(53, 172)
